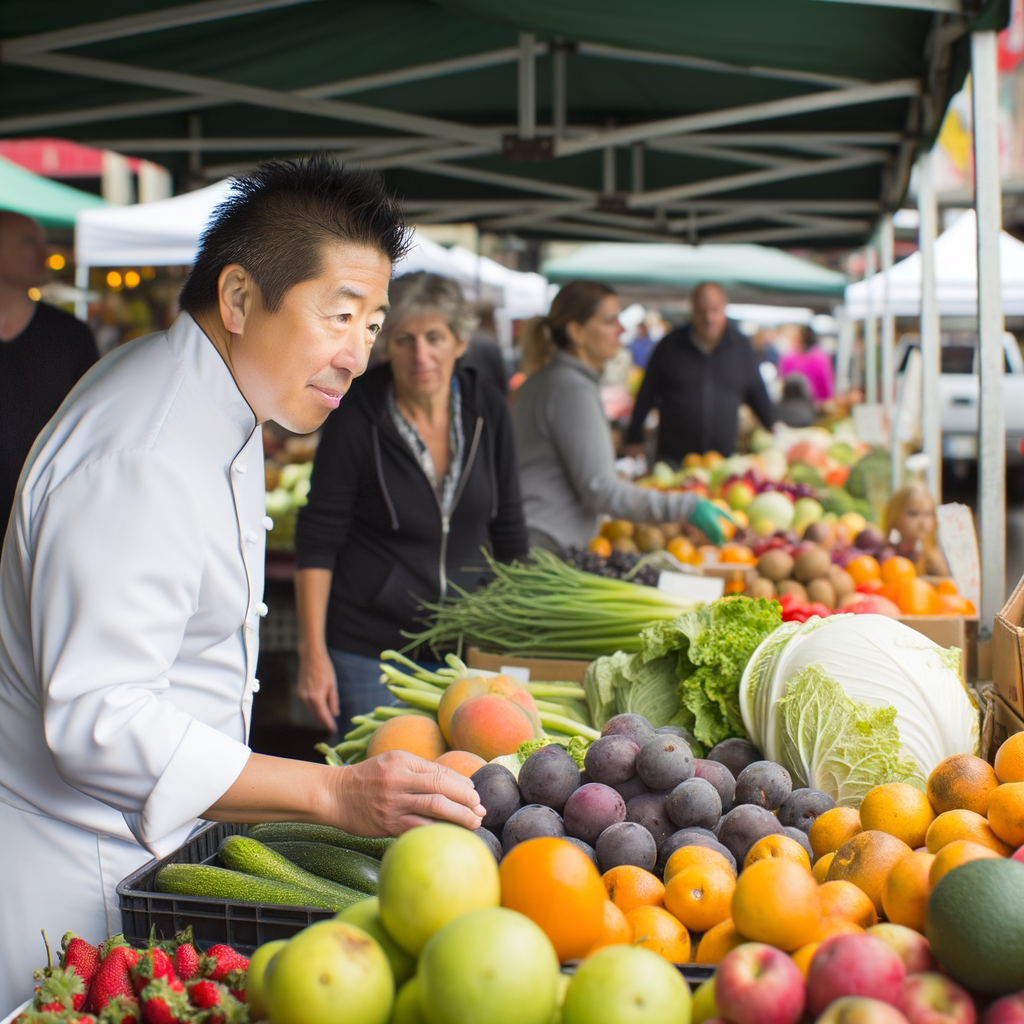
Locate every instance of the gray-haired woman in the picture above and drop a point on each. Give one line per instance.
(415, 472)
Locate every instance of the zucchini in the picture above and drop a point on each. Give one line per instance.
(241, 853)
(299, 832)
(346, 867)
(221, 884)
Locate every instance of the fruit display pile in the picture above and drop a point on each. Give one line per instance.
(287, 468)
(169, 982)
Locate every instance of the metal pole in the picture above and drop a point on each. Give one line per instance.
(527, 86)
(844, 351)
(608, 171)
(870, 332)
(82, 284)
(558, 90)
(637, 152)
(991, 427)
(886, 245)
(931, 423)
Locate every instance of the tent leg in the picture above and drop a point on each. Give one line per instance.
(844, 351)
(870, 334)
(991, 427)
(82, 284)
(886, 244)
(931, 422)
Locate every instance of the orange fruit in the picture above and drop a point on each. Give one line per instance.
(845, 900)
(864, 568)
(737, 553)
(700, 896)
(686, 856)
(556, 885)
(898, 809)
(461, 761)
(866, 860)
(656, 929)
(954, 604)
(776, 901)
(804, 955)
(416, 734)
(821, 866)
(630, 887)
(952, 855)
(600, 546)
(718, 941)
(946, 588)
(829, 926)
(963, 824)
(1006, 813)
(890, 591)
(961, 781)
(617, 930)
(777, 846)
(1010, 759)
(905, 893)
(897, 569)
(916, 597)
(832, 829)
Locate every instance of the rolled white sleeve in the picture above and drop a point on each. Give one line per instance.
(116, 577)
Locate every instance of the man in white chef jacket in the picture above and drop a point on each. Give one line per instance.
(132, 570)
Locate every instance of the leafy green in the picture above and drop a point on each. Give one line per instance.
(621, 683)
(577, 749)
(834, 743)
(528, 747)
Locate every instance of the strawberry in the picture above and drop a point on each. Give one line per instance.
(120, 1010)
(61, 989)
(83, 957)
(114, 942)
(220, 1006)
(165, 1002)
(186, 961)
(220, 960)
(112, 978)
(153, 964)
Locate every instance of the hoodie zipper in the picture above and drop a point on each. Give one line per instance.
(442, 569)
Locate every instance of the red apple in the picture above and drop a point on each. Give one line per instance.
(1008, 1010)
(912, 946)
(759, 984)
(860, 1010)
(1019, 854)
(854, 965)
(932, 998)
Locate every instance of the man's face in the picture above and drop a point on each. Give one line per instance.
(708, 314)
(294, 365)
(23, 252)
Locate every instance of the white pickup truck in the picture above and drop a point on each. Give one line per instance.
(958, 396)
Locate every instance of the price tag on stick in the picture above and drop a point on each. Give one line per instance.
(959, 543)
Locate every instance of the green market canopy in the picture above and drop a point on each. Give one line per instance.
(51, 203)
(790, 121)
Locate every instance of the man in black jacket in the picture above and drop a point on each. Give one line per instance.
(697, 378)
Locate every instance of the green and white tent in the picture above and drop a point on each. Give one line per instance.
(49, 202)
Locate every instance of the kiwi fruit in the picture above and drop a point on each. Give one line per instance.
(649, 538)
(811, 564)
(821, 591)
(761, 587)
(842, 582)
(792, 587)
(775, 565)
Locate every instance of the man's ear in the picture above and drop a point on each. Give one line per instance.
(235, 297)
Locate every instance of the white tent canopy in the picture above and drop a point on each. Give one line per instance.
(956, 278)
(166, 233)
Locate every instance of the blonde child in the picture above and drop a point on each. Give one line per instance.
(910, 520)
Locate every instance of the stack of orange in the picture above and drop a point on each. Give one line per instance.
(896, 579)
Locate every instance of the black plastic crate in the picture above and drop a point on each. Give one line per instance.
(243, 926)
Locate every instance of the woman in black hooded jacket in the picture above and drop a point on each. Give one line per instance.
(415, 472)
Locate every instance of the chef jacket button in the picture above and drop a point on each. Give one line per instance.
(268, 523)
(241, 467)
(251, 536)
(262, 609)
(255, 686)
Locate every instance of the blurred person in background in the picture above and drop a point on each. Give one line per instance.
(483, 353)
(564, 446)
(415, 472)
(810, 360)
(697, 379)
(642, 345)
(43, 350)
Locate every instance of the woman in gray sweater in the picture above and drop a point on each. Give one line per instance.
(563, 444)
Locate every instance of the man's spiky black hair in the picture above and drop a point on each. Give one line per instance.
(276, 221)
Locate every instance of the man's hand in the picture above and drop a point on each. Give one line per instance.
(708, 519)
(393, 792)
(318, 687)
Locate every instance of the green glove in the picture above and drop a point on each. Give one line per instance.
(707, 518)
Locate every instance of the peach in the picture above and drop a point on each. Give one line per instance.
(490, 725)
(854, 965)
(759, 984)
(860, 1010)
(912, 947)
(932, 998)
(417, 734)
(473, 686)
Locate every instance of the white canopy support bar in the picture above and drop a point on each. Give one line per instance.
(527, 86)
(991, 425)
(870, 333)
(931, 422)
(886, 248)
(939, 6)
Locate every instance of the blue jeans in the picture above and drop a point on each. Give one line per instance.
(359, 686)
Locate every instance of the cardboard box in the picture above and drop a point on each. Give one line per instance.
(999, 722)
(550, 670)
(1008, 651)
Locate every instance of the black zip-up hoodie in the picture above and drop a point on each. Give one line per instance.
(374, 520)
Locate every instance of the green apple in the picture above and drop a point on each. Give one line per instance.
(492, 965)
(407, 1004)
(704, 1005)
(366, 915)
(330, 973)
(432, 875)
(254, 976)
(627, 985)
